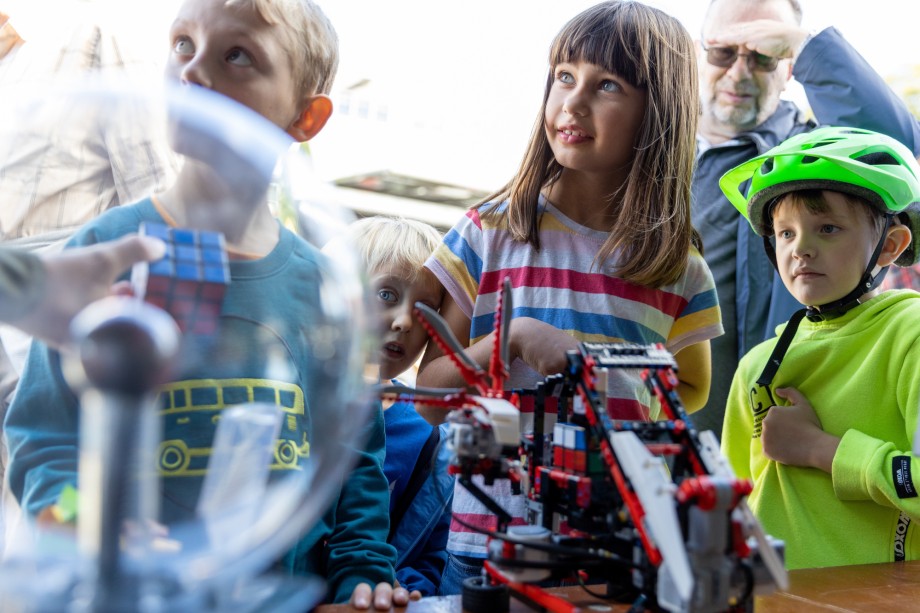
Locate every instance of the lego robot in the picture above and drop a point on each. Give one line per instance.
(649, 512)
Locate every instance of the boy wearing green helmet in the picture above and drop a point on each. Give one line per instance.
(822, 418)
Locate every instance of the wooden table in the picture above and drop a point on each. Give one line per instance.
(872, 587)
(857, 589)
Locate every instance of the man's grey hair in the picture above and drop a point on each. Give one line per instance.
(795, 5)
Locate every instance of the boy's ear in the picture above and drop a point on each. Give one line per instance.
(312, 118)
(896, 243)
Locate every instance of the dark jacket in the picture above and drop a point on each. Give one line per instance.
(421, 537)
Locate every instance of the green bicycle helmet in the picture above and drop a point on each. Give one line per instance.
(866, 164)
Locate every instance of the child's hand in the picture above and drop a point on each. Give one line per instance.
(385, 596)
(793, 435)
(76, 277)
(540, 345)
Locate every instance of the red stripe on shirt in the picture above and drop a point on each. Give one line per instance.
(473, 214)
(479, 522)
(589, 283)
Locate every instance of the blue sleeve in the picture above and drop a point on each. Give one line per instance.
(42, 423)
(357, 550)
(41, 429)
(425, 573)
(421, 543)
(844, 90)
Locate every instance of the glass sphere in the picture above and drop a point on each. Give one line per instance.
(176, 466)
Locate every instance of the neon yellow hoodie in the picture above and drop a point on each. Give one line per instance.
(861, 373)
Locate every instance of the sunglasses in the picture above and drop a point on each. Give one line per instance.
(724, 57)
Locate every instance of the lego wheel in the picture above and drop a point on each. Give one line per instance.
(481, 596)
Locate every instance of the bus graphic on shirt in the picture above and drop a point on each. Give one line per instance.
(192, 409)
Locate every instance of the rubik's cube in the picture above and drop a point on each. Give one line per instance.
(570, 448)
(190, 281)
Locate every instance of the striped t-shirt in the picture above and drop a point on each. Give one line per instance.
(560, 285)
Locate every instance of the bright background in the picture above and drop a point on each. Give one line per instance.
(448, 91)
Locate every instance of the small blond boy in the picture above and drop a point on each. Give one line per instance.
(394, 251)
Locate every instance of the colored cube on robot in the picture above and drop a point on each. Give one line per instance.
(580, 462)
(190, 281)
(581, 450)
(558, 447)
(575, 446)
(570, 447)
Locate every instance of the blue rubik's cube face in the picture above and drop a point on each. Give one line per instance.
(190, 281)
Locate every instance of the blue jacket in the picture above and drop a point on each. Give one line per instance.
(421, 537)
(842, 90)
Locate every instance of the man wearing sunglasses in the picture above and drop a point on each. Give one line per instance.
(748, 51)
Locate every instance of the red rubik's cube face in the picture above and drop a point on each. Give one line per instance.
(190, 281)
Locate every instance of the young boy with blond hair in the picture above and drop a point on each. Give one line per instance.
(822, 418)
(277, 57)
(394, 251)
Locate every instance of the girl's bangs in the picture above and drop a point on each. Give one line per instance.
(602, 39)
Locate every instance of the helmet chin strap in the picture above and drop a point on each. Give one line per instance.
(867, 283)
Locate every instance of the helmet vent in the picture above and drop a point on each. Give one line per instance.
(767, 166)
(809, 159)
(878, 158)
